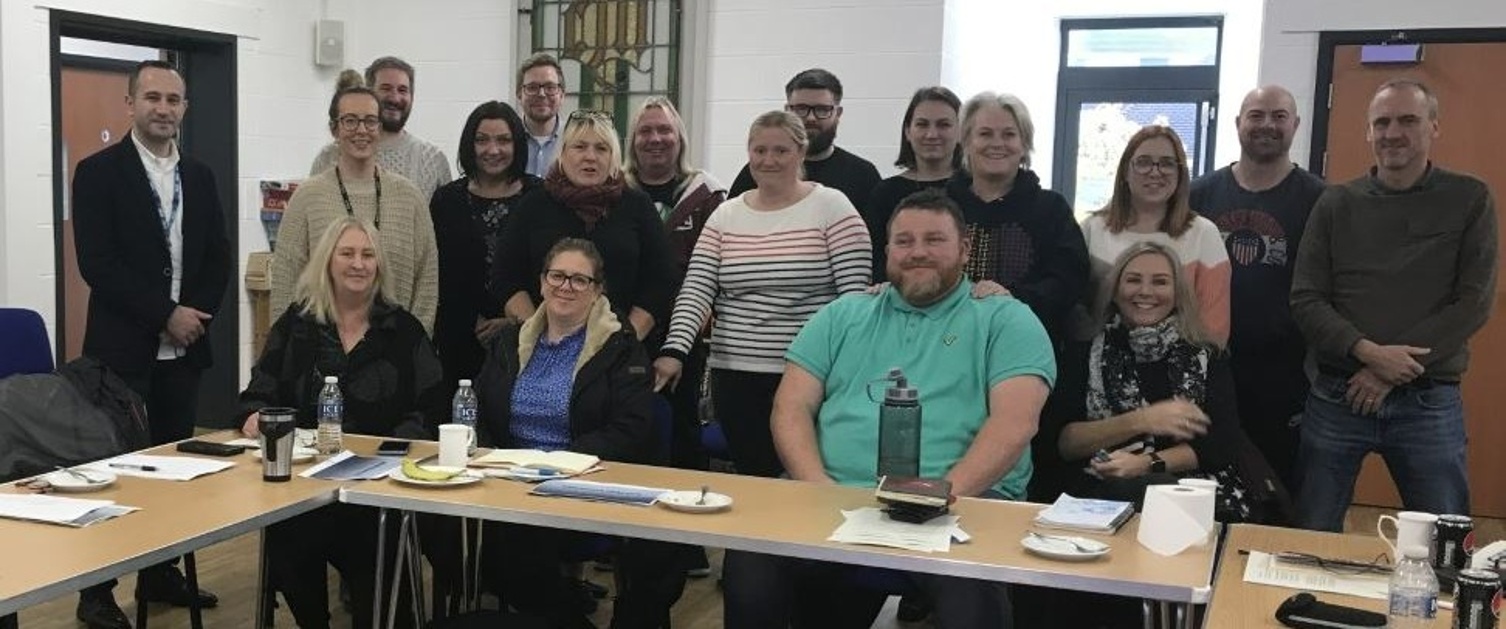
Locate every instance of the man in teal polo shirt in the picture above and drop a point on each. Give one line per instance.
(983, 368)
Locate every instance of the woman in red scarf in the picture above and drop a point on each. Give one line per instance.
(583, 196)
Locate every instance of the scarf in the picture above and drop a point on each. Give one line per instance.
(590, 203)
(1113, 385)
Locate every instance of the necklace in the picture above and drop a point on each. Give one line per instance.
(350, 210)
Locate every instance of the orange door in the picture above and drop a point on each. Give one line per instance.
(1466, 78)
(94, 116)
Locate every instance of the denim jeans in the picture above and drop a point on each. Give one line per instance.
(1419, 431)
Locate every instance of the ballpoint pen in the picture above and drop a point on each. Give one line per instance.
(133, 466)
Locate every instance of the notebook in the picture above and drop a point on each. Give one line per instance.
(562, 461)
(1085, 514)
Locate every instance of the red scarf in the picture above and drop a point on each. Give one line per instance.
(590, 203)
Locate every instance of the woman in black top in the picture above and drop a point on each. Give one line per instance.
(583, 196)
(1150, 399)
(469, 214)
(341, 325)
(929, 151)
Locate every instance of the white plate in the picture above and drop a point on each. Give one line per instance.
(300, 455)
(690, 501)
(69, 483)
(465, 478)
(1063, 550)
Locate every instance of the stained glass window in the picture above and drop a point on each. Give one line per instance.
(615, 53)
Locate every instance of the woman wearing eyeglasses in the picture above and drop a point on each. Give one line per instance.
(766, 261)
(584, 196)
(355, 186)
(573, 377)
(1150, 202)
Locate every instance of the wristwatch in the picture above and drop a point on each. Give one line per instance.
(1157, 464)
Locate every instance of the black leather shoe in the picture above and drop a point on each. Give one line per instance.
(167, 585)
(101, 612)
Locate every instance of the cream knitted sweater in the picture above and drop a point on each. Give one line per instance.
(407, 238)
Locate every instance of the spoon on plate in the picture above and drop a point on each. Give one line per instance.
(702, 500)
(1082, 544)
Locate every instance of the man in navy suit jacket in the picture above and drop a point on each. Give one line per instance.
(152, 247)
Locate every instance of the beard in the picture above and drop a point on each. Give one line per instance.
(923, 289)
(1273, 148)
(390, 125)
(820, 141)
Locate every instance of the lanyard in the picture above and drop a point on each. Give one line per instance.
(169, 216)
(345, 196)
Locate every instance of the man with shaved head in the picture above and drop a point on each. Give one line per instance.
(1397, 272)
(1260, 204)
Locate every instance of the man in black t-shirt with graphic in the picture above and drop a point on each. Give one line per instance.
(815, 96)
(1260, 204)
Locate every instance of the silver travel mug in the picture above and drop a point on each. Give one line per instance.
(277, 426)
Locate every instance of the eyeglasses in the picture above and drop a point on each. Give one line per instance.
(351, 123)
(821, 112)
(590, 114)
(534, 89)
(1145, 163)
(1379, 565)
(558, 279)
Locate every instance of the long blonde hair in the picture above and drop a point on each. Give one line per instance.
(630, 161)
(1185, 306)
(316, 289)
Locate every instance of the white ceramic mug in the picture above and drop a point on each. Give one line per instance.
(1413, 528)
(455, 443)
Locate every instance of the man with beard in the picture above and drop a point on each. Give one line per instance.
(1397, 271)
(815, 96)
(401, 152)
(983, 368)
(1260, 204)
(152, 247)
(541, 89)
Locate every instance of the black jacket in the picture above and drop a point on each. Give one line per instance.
(611, 397)
(391, 380)
(631, 238)
(123, 255)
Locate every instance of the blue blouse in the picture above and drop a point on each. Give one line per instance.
(541, 395)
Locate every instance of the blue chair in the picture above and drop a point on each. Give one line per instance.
(24, 346)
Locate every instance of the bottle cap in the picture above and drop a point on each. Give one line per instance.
(331, 380)
(1414, 551)
(901, 392)
(465, 382)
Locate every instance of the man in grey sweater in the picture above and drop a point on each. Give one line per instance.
(420, 160)
(1396, 271)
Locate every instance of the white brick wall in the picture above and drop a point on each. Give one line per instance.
(1289, 39)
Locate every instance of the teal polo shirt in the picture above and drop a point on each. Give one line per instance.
(952, 351)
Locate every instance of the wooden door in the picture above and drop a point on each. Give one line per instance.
(94, 116)
(1466, 78)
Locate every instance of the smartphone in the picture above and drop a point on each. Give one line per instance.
(210, 448)
(393, 447)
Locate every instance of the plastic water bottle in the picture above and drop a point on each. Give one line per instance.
(899, 428)
(331, 416)
(1413, 591)
(463, 408)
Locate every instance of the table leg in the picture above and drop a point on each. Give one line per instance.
(376, 598)
(195, 611)
(415, 568)
(474, 597)
(398, 566)
(264, 593)
(1183, 615)
(465, 566)
(140, 605)
(1165, 613)
(1147, 614)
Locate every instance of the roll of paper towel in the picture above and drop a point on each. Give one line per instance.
(1175, 518)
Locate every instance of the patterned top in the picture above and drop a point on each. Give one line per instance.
(541, 396)
(766, 273)
(1202, 254)
(405, 154)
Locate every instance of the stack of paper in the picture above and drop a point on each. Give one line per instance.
(600, 492)
(348, 465)
(1263, 569)
(159, 467)
(870, 526)
(58, 510)
(1084, 514)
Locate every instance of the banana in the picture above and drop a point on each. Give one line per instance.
(411, 469)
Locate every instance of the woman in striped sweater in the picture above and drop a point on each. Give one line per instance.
(766, 261)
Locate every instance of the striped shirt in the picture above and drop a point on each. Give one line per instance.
(765, 273)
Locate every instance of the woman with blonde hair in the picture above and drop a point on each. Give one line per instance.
(766, 261)
(342, 325)
(584, 196)
(1150, 203)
